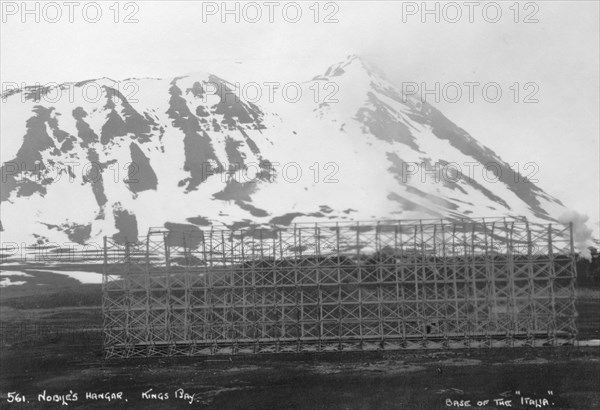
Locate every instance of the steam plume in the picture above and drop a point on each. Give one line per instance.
(582, 235)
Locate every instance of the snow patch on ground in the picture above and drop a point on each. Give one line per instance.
(7, 282)
(589, 343)
(14, 273)
(83, 277)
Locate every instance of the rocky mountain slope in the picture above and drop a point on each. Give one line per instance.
(194, 151)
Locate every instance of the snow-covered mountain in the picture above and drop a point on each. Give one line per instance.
(193, 151)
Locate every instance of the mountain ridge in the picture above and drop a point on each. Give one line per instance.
(181, 155)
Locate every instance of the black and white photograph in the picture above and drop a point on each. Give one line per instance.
(300, 204)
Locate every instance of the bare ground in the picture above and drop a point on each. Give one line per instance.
(567, 377)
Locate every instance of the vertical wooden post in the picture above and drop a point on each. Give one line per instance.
(552, 275)
(572, 247)
(473, 268)
(148, 283)
(106, 327)
(339, 285)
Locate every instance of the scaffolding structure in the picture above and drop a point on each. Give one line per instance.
(388, 285)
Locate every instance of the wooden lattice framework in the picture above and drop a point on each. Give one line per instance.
(341, 286)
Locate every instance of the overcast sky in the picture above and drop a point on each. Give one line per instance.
(554, 61)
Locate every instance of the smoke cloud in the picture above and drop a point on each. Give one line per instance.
(582, 235)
